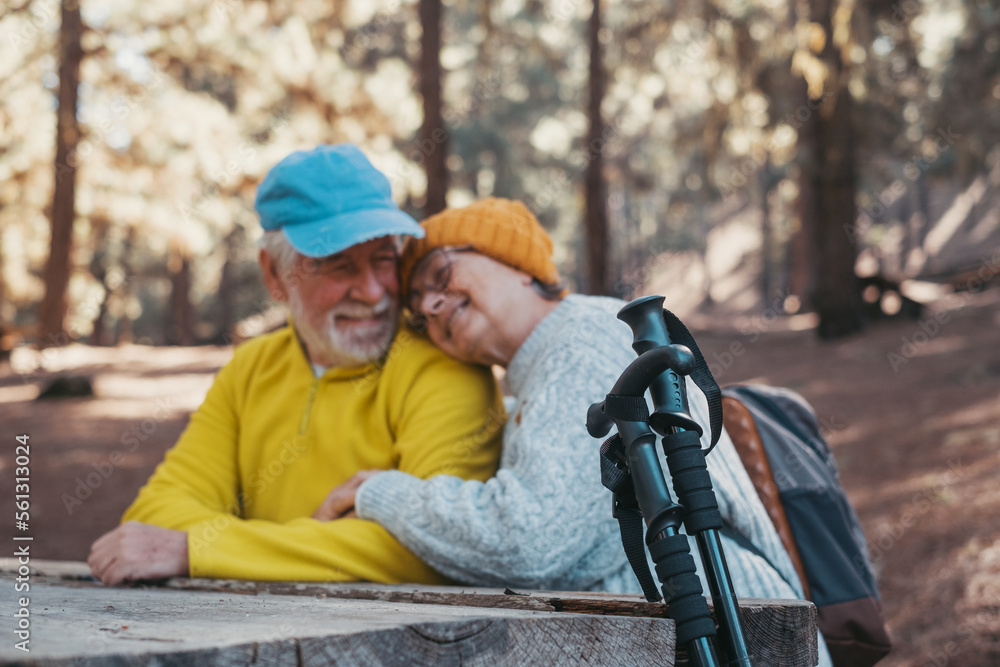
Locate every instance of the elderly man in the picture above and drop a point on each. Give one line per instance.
(299, 411)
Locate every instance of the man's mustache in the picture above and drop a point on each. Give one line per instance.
(359, 311)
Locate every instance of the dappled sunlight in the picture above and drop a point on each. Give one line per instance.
(959, 421)
(84, 457)
(138, 358)
(18, 393)
(182, 391)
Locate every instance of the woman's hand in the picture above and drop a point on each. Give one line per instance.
(340, 503)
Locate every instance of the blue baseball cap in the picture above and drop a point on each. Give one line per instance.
(328, 199)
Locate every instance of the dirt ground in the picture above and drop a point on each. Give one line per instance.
(911, 409)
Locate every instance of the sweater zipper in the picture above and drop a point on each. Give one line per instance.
(304, 424)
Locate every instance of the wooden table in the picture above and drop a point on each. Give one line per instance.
(75, 620)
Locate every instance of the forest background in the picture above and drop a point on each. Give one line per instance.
(804, 135)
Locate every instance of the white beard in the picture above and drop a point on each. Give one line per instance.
(347, 345)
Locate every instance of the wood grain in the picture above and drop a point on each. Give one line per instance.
(315, 623)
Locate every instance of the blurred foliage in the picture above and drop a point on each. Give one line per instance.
(185, 105)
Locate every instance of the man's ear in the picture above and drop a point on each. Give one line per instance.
(272, 276)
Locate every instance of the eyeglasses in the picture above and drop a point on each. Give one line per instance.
(436, 269)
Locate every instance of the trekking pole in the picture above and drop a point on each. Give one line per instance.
(636, 456)
(688, 470)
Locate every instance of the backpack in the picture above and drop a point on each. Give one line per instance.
(778, 438)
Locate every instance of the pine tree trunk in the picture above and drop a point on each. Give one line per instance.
(228, 286)
(52, 311)
(180, 328)
(594, 185)
(99, 334)
(801, 258)
(4, 344)
(835, 297)
(765, 183)
(433, 136)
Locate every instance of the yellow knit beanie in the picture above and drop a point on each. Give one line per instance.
(499, 228)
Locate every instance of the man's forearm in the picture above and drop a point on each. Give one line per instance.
(302, 550)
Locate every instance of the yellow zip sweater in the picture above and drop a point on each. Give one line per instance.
(271, 441)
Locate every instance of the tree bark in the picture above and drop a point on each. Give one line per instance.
(228, 287)
(835, 296)
(595, 188)
(765, 181)
(52, 311)
(433, 135)
(5, 343)
(801, 258)
(180, 328)
(99, 270)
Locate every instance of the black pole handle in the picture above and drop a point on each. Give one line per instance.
(668, 389)
(634, 381)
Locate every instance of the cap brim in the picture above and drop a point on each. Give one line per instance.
(328, 237)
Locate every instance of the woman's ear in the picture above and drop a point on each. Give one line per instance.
(272, 278)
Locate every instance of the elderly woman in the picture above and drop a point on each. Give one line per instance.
(483, 283)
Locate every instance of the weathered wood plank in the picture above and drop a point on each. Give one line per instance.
(571, 602)
(556, 640)
(89, 624)
(776, 634)
(779, 632)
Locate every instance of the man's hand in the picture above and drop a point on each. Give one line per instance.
(135, 551)
(340, 503)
